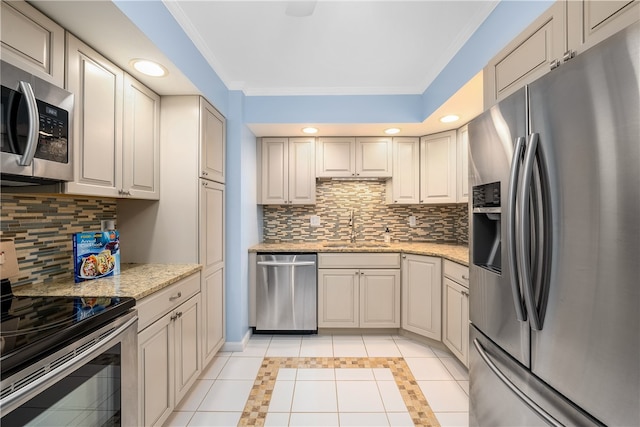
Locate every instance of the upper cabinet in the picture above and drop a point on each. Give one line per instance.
(567, 28)
(463, 164)
(404, 187)
(32, 42)
(367, 157)
(114, 157)
(213, 136)
(286, 171)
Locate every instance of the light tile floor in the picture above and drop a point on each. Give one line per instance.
(311, 389)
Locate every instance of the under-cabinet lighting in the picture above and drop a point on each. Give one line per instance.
(149, 68)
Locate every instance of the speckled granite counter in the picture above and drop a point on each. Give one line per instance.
(135, 280)
(456, 253)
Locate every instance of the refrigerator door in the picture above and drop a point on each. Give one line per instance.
(506, 394)
(587, 116)
(492, 140)
(286, 292)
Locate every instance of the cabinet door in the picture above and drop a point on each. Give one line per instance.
(373, 157)
(141, 141)
(32, 42)
(213, 137)
(338, 298)
(302, 171)
(335, 157)
(379, 298)
(155, 367)
(590, 22)
(527, 57)
(211, 236)
(212, 314)
(405, 184)
(463, 165)
(274, 161)
(455, 319)
(187, 345)
(97, 121)
(421, 295)
(438, 168)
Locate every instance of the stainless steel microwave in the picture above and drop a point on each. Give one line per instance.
(35, 130)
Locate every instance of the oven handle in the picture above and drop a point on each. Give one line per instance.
(22, 395)
(34, 124)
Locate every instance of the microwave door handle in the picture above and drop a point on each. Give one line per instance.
(34, 124)
(511, 229)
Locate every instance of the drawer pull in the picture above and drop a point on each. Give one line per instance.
(175, 297)
(465, 277)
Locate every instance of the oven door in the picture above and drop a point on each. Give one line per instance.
(92, 381)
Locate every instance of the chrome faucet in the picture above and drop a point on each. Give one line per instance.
(353, 227)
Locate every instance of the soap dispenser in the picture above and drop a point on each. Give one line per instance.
(387, 235)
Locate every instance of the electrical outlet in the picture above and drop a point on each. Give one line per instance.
(412, 221)
(314, 221)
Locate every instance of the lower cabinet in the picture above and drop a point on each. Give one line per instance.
(169, 338)
(352, 296)
(455, 306)
(421, 295)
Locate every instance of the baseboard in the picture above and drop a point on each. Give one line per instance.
(236, 346)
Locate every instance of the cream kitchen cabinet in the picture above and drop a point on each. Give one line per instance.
(365, 157)
(455, 314)
(438, 161)
(212, 259)
(113, 157)
(287, 171)
(213, 134)
(404, 187)
(357, 290)
(168, 348)
(565, 29)
(462, 167)
(421, 295)
(31, 41)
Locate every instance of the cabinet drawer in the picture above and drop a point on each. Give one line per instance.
(359, 260)
(456, 272)
(160, 303)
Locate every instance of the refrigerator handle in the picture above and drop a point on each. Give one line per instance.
(524, 236)
(519, 393)
(511, 229)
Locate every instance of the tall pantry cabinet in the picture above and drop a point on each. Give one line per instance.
(187, 224)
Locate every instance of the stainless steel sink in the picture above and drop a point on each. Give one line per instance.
(356, 245)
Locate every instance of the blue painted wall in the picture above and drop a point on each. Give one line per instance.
(243, 218)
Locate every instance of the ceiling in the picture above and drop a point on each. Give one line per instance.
(358, 47)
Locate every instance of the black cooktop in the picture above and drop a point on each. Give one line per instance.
(34, 327)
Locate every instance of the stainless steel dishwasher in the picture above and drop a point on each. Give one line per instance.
(286, 293)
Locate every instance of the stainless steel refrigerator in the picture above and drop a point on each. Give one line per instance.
(555, 246)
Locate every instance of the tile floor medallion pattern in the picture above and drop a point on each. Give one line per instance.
(257, 406)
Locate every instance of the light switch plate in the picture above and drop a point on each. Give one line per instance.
(412, 221)
(314, 221)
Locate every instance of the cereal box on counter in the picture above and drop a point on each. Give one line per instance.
(96, 254)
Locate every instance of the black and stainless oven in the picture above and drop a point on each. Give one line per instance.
(35, 129)
(68, 361)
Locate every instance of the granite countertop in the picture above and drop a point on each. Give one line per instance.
(134, 280)
(452, 252)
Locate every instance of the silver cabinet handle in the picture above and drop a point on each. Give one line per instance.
(34, 124)
(175, 297)
(511, 229)
(506, 381)
(464, 293)
(524, 267)
(465, 277)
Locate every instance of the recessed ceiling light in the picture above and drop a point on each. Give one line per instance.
(450, 118)
(149, 68)
(392, 131)
(310, 130)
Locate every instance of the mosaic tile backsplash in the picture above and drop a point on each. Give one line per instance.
(42, 226)
(336, 199)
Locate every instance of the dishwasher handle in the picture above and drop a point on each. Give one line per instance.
(287, 263)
